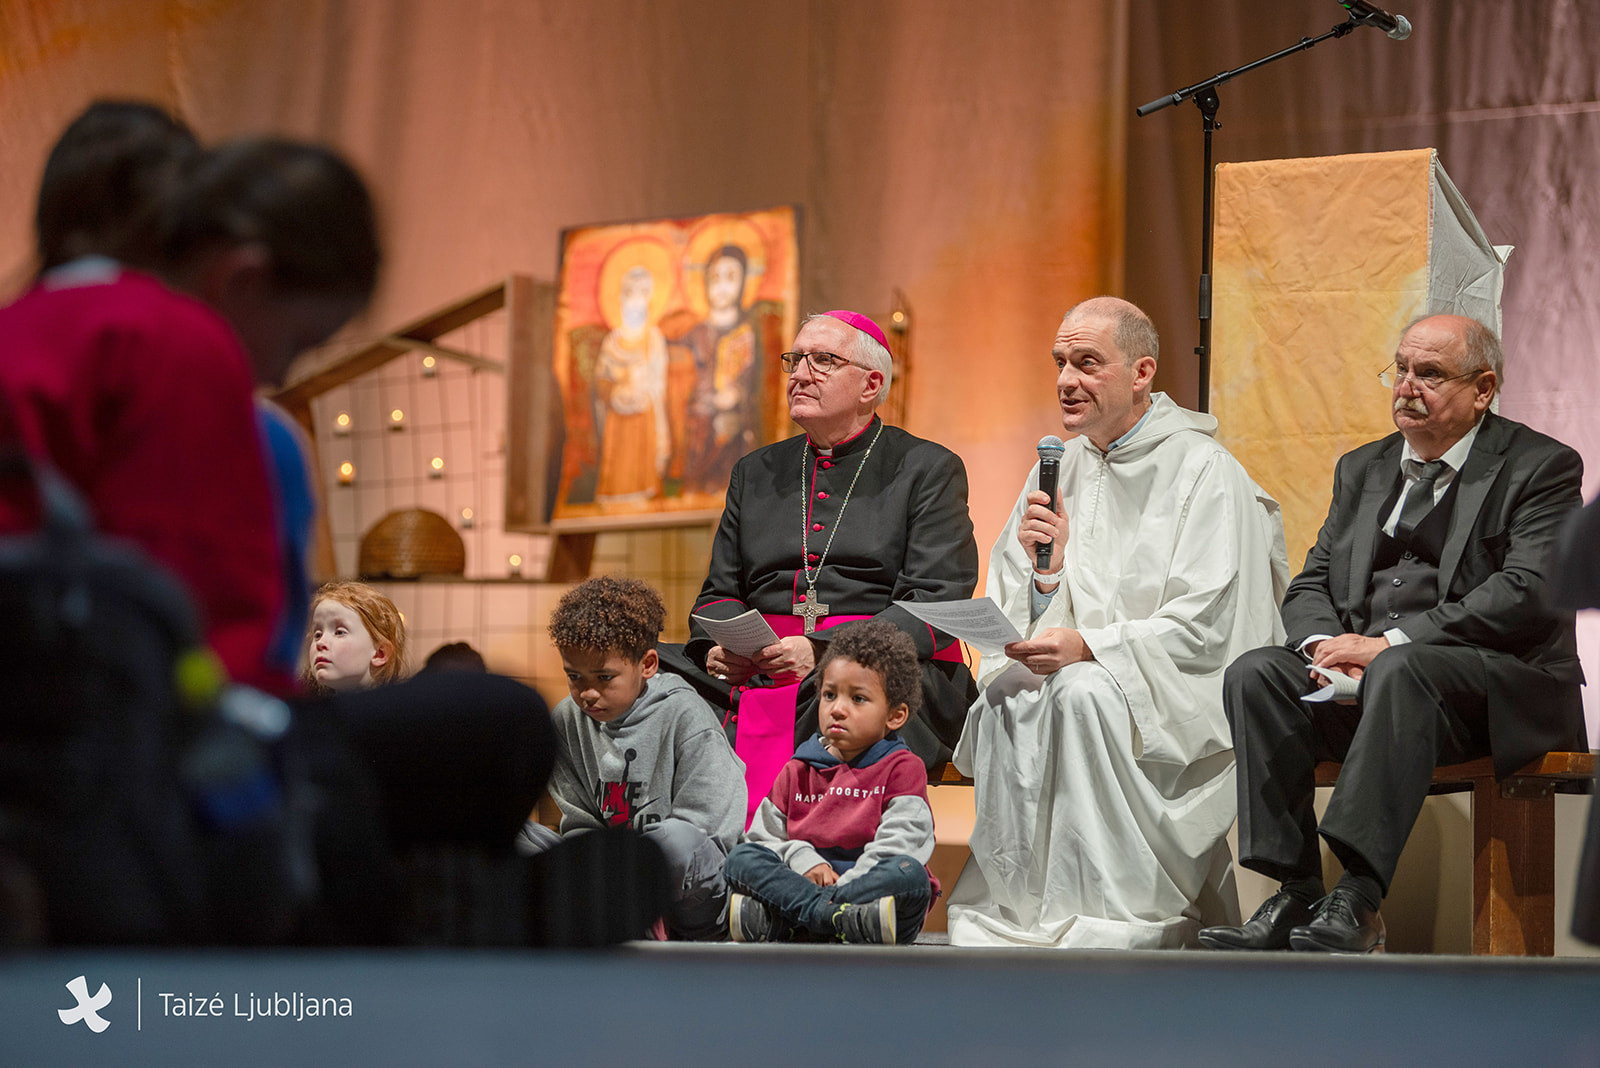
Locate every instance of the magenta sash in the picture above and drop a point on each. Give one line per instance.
(764, 739)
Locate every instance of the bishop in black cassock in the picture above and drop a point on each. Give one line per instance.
(843, 520)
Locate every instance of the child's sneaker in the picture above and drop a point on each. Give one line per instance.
(750, 919)
(871, 922)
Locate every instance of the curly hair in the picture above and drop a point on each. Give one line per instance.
(385, 626)
(609, 614)
(884, 649)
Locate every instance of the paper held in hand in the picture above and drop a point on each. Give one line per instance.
(978, 622)
(1340, 687)
(744, 635)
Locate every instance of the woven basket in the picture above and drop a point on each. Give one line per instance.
(411, 543)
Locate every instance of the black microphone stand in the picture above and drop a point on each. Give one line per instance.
(1204, 94)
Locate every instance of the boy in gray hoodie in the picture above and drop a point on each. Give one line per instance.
(641, 748)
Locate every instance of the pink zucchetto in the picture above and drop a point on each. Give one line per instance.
(861, 323)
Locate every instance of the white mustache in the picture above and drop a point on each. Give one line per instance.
(1415, 404)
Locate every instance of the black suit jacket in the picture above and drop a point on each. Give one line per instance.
(1514, 491)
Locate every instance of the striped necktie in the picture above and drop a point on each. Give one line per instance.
(1419, 500)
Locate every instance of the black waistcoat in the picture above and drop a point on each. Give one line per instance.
(1405, 574)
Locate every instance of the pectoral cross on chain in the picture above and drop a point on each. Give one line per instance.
(811, 608)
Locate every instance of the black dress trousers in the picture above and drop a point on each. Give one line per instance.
(1418, 706)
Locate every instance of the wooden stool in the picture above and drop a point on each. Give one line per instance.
(1513, 846)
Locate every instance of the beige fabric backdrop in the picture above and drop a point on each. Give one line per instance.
(1319, 263)
(969, 154)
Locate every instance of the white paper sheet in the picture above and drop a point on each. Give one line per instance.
(1340, 687)
(744, 635)
(978, 622)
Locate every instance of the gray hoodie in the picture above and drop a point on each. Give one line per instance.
(664, 757)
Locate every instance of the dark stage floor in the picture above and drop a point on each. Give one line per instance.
(811, 1005)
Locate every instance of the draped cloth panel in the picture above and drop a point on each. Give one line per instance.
(1320, 264)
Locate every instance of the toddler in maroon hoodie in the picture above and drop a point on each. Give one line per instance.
(839, 848)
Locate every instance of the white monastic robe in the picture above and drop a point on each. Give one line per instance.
(1105, 790)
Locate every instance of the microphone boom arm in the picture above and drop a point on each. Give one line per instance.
(1190, 92)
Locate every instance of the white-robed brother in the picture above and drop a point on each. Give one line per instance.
(1099, 747)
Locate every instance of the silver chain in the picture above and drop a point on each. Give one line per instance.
(805, 511)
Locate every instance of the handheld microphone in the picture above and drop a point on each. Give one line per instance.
(1395, 26)
(1051, 449)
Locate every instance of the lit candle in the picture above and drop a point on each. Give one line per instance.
(430, 367)
(347, 473)
(436, 467)
(397, 420)
(341, 425)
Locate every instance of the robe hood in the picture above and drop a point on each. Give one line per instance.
(1164, 419)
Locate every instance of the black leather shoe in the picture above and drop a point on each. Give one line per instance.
(1342, 924)
(1267, 929)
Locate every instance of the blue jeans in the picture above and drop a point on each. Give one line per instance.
(759, 872)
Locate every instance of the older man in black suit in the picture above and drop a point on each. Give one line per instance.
(1426, 585)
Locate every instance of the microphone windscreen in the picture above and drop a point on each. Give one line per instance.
(1051, 447)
